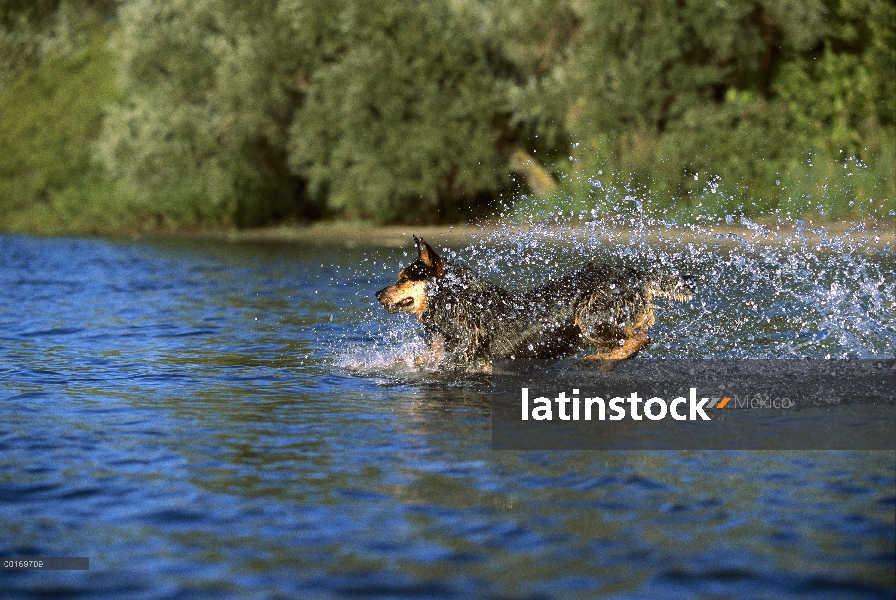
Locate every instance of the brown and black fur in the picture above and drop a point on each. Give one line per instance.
(469, 320)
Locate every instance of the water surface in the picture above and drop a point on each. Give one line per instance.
(213, 419)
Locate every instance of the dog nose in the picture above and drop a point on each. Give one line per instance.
(379, 295)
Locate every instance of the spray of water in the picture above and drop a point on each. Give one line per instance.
(782, 288)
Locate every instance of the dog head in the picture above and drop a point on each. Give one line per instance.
(408, 294)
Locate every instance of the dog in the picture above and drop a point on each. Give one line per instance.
(470, 321)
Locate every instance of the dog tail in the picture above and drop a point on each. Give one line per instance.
(676, 287)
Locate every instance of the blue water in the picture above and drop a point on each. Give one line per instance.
(204, 419)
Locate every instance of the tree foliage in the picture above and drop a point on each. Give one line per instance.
(31, 30)
(209, 86)
(403, 119)
(252, 112)
(666, 94)
(67, 93)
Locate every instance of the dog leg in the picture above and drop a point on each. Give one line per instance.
(627, 349)
(435, 353)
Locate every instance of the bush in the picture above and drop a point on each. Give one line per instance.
(210, 93)
(49, 117)
(694, 108)
(403, 123)
(252, 112)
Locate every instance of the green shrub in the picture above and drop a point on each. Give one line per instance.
(49, 117)
(241, 113)
(211, 87)
(402, 124)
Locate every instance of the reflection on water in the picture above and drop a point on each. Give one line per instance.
(241, 420)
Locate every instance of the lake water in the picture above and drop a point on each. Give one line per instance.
(211, 419)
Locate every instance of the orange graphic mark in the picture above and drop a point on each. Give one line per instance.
(723, 403)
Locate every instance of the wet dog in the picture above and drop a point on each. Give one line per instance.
(468, 320)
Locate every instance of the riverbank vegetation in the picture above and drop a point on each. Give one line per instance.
(134, 115)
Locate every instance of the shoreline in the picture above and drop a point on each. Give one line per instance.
(352, 234)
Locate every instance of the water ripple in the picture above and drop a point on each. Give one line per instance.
(239, 420)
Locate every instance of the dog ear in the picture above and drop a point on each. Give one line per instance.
(427, 254)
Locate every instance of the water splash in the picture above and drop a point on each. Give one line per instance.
(394, 355)
(778, 289)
